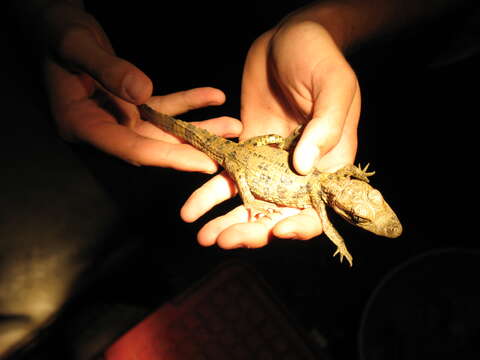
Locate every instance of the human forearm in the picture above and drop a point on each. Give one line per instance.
(28, 12)
(352, 22)
(30, 19)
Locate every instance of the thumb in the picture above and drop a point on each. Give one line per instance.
(331, 108)
(318, 138)
(80, 43)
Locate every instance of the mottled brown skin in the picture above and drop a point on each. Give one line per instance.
(265, 180)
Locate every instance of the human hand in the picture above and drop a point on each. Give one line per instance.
(293, 75)
(93, 96)
(297, 75)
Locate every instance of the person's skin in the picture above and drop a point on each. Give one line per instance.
(93, 93)
(297, 74)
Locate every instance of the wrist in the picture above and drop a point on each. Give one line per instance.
(333, 17)
(351, 23)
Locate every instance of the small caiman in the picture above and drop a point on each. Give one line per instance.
(265, 180)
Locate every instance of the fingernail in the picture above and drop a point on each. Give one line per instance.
(133, 162)
(214, 103)
(239, 246)
(210, 169)
(134, 88)
(288, 235)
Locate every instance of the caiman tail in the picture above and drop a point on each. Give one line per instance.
(211, 144)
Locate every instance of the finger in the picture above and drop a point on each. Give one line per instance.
(117, 75)
(233, 230)
(223, 126)
(66, 88)
(209, 233)
(183, 101)
(139, 150)
(98, 128)
(344, 152)
(302, 226)
(252, 235)
(213, 192)
(77, 40)
(324, 130)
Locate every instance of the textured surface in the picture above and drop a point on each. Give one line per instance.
(231, 314)
(265, 180)
(49, 235)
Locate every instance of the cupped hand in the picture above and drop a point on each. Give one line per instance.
(93, 96)
(294, 75)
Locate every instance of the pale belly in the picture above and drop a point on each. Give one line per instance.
(270, 178)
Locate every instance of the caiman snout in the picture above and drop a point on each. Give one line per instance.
(365, 207)
(388, 226)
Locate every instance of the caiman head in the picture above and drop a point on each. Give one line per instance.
(363, 206)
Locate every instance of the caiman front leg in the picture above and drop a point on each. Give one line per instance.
(330, 231)
(356, 172)
(271, 139)
(291, 140)
(274, 139)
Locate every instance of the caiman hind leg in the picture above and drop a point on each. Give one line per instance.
(330, 231)
(256, 208)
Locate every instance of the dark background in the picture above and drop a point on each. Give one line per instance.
(418, 131)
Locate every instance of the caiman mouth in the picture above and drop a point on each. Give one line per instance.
(349, 216)
(387, 225)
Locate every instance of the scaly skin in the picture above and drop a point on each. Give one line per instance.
(265, 180)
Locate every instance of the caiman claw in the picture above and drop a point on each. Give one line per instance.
(342, 250)
(364, 170)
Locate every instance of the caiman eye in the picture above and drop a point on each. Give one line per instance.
(358, 219)
(360, 210)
